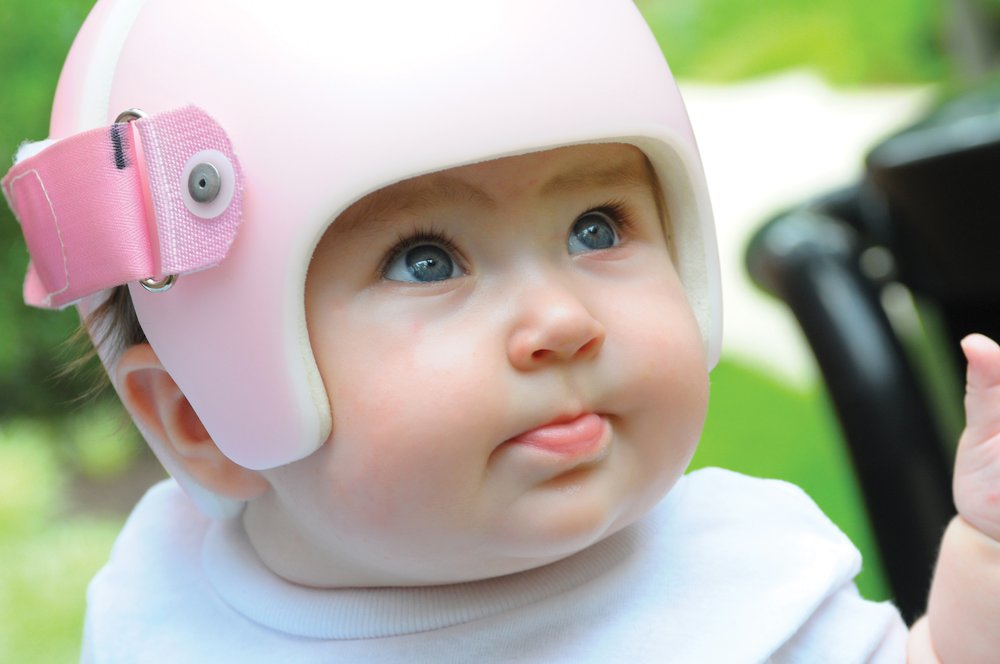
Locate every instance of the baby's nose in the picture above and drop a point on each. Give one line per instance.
(555, 327)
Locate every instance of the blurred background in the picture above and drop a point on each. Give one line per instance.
(786, 97)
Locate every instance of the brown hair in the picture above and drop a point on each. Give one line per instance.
(112, 327)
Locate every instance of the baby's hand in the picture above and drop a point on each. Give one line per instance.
(977, 466)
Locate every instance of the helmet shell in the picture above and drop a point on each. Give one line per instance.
(326, 102)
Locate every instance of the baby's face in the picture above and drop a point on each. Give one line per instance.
(513, 369)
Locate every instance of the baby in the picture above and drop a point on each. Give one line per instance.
(417, 304)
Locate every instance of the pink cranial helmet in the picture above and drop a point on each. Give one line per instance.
(305, 107)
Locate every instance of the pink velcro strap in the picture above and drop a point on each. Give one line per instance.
(112, 205)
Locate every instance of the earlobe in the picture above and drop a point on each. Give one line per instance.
(173, 428)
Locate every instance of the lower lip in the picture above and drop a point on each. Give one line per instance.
(578, 437)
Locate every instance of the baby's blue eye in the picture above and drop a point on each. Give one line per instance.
(422, 263)
(593, 231)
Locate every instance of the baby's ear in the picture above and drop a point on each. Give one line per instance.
(173, 429)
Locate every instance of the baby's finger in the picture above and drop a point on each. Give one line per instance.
(982, 388)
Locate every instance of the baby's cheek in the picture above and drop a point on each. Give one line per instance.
(664, 378)
(414, 452)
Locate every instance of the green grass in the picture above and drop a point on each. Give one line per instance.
(42, 588)
(48, 551)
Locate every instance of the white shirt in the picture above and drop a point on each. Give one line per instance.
(725, 569)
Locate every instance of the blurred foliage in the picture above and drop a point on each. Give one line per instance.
(47, 552)
(848, 41)
(42, 604)
(34, 40)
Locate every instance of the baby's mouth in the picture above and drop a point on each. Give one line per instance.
(582, 435)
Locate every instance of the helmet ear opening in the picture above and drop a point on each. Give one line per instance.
(176, 435)
(109, 329)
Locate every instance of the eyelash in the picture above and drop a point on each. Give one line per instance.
(619, 213)
(418, 237)
(616, 210)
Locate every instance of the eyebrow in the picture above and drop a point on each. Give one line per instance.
(626, 173)
(378, 207)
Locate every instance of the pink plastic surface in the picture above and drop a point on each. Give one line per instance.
(326, 102)
(82, 207)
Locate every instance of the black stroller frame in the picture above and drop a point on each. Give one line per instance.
(926, 214)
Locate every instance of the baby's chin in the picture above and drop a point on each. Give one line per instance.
(537, 534)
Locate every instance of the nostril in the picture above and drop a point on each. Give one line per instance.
(589, 347)
(541, 355)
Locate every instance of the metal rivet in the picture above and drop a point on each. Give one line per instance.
(204, 183)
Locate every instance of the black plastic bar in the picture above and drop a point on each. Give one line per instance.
(810, 261)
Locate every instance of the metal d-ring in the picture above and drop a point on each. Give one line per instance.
(150, 284)
(130, 114)
(158, 285)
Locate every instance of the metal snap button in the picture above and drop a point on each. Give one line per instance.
(204, 183)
